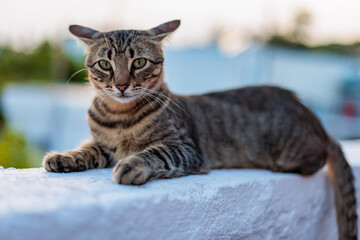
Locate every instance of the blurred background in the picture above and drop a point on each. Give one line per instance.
(310, 47)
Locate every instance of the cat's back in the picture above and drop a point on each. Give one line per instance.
(250, 123)
(244, 102)
(254, 98)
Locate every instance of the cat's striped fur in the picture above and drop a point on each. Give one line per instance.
(146, 132)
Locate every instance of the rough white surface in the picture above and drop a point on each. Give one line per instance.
(225, 204)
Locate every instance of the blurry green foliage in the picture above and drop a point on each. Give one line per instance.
(16, 152)
(297, 38)
(283, 41)
(46, 63)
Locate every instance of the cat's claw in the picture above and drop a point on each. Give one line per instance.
(56, 162)
(132, 171)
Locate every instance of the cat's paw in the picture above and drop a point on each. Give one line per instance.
(132, 171)
(57, 162)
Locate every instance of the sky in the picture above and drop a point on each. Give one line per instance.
(25, 22)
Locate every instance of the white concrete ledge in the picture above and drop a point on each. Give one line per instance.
(225, 204)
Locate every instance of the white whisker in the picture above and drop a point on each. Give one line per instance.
(168, 98)
(74, 74)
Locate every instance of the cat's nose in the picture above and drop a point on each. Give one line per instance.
(122, 88)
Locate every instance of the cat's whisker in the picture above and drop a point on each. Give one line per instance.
(167, 104)
(168, 98)
(74, 74)
(164, 96)
(161, 101)
(152, 106)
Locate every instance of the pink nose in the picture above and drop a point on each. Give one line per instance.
(122, 88)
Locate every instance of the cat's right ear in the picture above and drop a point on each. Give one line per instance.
(85, 34)
(160, 32)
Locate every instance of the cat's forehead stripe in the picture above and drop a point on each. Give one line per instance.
(109, 54)
(131, 51)
(120, 40)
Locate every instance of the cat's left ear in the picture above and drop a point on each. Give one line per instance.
(160, 32)
(85, 34)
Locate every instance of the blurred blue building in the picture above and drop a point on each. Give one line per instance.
(55, 115)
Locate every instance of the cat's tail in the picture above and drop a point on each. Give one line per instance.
(345, 199)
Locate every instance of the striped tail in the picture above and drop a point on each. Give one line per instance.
(345, 199)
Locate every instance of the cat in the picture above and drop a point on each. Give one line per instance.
(146, 132)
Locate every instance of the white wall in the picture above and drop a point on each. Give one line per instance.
(225, 204)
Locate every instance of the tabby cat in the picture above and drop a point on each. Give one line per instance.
(146, 132)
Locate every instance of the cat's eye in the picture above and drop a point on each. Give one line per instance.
(139, 63)
(105, 65)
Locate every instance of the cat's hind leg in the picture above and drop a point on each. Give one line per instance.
(305, 161)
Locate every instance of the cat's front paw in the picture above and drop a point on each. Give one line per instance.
(132, 171)
(57, 162)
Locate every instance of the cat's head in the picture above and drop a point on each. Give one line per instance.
(125, 64)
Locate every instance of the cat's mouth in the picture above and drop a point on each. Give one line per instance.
(122, 98)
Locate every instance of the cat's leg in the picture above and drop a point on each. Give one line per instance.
(88, 156)
(159, 161)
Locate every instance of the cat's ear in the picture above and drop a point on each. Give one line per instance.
(160, 32)
(85, 34)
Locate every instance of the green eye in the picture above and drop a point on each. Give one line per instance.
(139, 63)
(105, 65)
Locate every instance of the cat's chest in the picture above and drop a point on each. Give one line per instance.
(120, 143)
